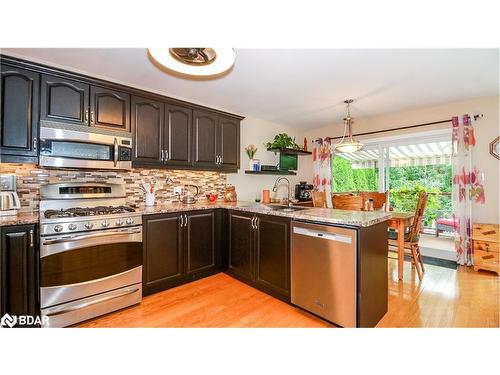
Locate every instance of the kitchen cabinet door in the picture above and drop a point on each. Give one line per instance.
(19, 111)
(19, 271)
(64, 100)
(241, 243)
(178, 135)
(109, 109)
(205, 139)
(163, 264)
(229, 143)
(199, 246)
(272, 255)
(147, 131)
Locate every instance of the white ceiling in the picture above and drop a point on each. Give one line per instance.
(299, 87)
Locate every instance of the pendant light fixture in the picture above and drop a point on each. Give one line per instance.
(348, 144)
(194, 61)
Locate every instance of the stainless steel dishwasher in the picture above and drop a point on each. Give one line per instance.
(324, 271)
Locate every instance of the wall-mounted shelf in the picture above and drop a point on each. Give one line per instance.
(289, 173)
(290, 151)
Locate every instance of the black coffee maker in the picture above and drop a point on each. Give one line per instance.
(303, 191)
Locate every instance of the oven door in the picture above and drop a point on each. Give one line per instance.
(60, 148)
(84, 264)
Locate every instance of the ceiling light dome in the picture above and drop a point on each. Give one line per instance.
(348, 144)
(195, 61)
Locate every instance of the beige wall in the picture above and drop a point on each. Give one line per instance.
(486, 130)
(257, 132)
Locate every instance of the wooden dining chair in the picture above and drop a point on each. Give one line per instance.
(413, 235)
(319, 198)
(347, 202)
(380, 200)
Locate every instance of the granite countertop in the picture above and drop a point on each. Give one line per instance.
(19, 219)
(321, 215)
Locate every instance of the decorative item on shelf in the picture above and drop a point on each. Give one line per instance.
(495, 148)
(348, 144)
(194, 61)
(281, 141)
(251, 150)
(255, 165)
(305, 144)
(230, 194)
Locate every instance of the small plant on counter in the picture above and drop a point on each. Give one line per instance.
(282, 140)
(251, 150)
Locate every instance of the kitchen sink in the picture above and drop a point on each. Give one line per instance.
(286, 208)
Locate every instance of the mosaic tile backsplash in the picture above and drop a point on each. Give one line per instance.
(30, 177)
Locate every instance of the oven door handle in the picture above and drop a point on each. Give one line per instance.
(94, 302)
(88, 236)
(115, 152)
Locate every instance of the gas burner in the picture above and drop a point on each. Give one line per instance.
(87, 211)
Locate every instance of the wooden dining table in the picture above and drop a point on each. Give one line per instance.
(399, 221)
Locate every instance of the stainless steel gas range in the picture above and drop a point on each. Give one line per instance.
(90, 252)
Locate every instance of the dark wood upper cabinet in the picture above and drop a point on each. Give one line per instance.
(64, 100)
(19, 272)
(229, 142)
(147, 130)
(178, 135)
(163, 263)
(205, 139)
(200, 241)
(241, 243)
(109, 108)
(19, 111)
(272, 254)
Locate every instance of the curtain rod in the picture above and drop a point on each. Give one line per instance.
(478, 116)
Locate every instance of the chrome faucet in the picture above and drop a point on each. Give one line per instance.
(275, 188)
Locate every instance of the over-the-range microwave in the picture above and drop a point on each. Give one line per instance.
(89, 148)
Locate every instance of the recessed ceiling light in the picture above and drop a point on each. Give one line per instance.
(195, 61)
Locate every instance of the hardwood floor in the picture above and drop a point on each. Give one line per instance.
(445, 298)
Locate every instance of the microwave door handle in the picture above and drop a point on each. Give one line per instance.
(115, 152)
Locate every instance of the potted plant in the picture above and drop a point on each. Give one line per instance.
(251, 150)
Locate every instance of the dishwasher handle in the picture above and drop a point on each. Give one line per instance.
(323, 235)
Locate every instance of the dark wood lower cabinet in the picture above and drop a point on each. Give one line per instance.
(179, 248)
(259, 252)
(19, 286)
(162, 246)
(272, 254)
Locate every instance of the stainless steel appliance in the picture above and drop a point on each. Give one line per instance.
(90, 252)
(9, 201)
(303, 191)
(324, 271)
(89, 148)
(187, 196)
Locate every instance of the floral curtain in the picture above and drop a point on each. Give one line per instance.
(467, 186)
(322, 161)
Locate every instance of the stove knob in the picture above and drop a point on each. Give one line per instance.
(105, 224)
(130, 221)
(89, 225)
(119, 222)
(58, 228)
(72, 226)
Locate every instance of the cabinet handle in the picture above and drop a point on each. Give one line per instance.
(92, 117)
(32, 238)
(166, 155)
(86, 115)
(35, 144)
(186, 220)
(162, 157)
